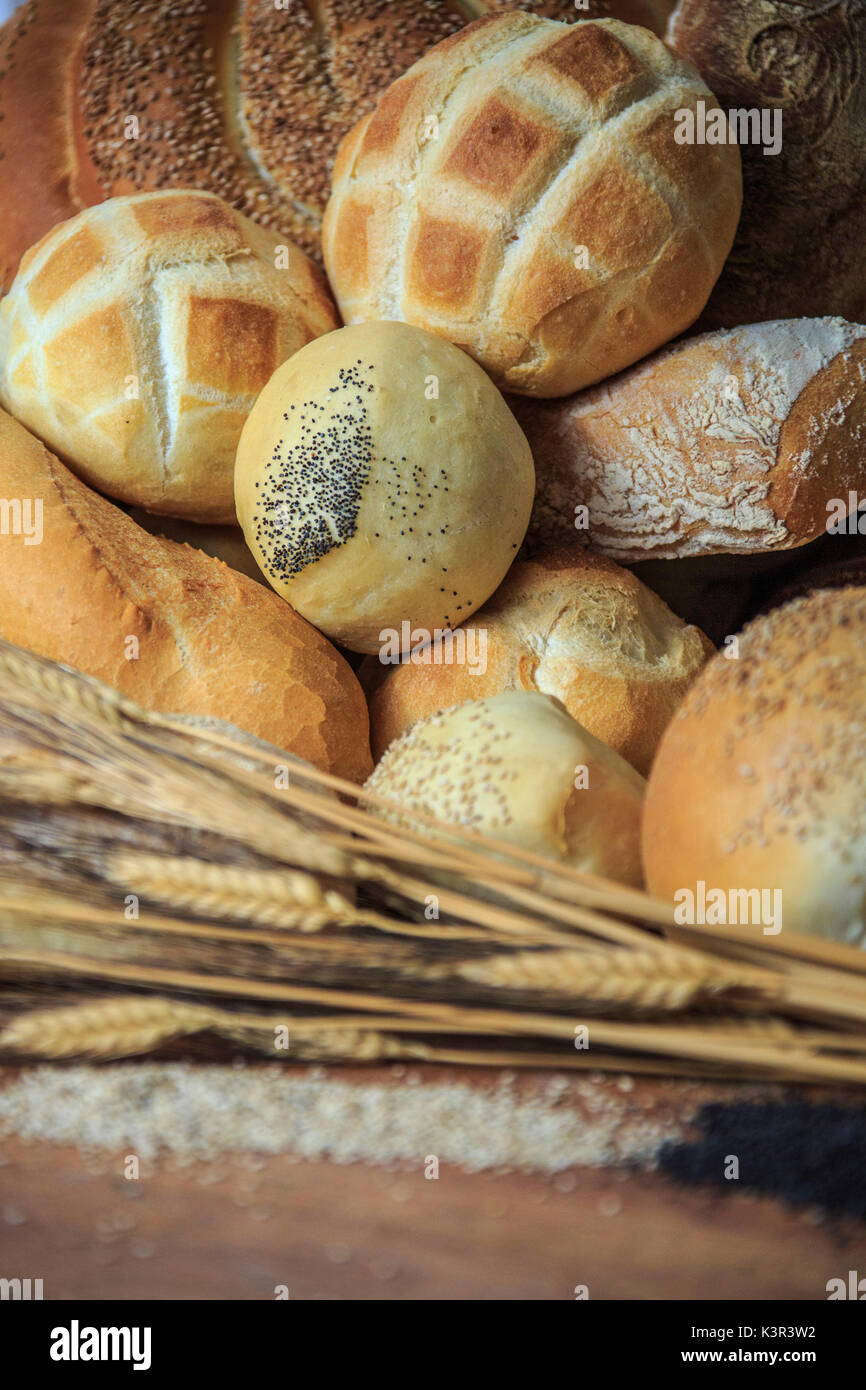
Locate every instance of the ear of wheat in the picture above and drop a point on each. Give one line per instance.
(158, 888)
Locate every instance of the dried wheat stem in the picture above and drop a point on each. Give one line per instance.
(632, 979)
(275, 896)
(112, 1028)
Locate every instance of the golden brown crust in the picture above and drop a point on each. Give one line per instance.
(521, 191)
(568, 623)
(760, 780)
(209, 641)
(730, 442)
(137, 336)
(807, 60)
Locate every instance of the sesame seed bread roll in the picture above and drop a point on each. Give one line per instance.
(381, 480)
(519, 768)
(760, 780)
(731, 442)
(571, 624)
(522, 192)
(247, 100)
(167, 625)
(136, 337)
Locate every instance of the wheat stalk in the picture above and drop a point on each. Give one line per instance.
(649, 980)
(279, 897)
(112, 1028)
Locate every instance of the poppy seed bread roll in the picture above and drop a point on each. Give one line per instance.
(517, 767)
(759, 785)
(571, 624)
(381, 480)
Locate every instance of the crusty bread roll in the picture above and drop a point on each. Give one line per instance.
(760, 781)
(519, 768)
(727, 442)
(521, 191)
(570, 624)
(136, 337)
(248, 100)
(163, 623)
(381, 480)
(805, 61)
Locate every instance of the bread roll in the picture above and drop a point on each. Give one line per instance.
(760, 781)
(799, 248)
(521, 192)
(136, 337)
(163, 623)
(382, 480)
(569, 624)
(519, 768)
(728, 442)
(246, 100)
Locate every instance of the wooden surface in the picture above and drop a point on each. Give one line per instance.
(236, 1228)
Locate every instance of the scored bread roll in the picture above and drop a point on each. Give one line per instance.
(248, 100)
(381, 480)
(137, 336)
(522, 192)
(570, 624)
(759, 785)
(518, 768)
(730, 442)
(165, 624)
(802, 66)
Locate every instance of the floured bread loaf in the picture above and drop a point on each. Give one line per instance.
(137, 336)
(728, 442)
(522, 192)
(518, 767)
(570, 624)
(758, 791)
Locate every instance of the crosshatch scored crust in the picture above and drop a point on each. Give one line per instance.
(136, 338)
(547, 139)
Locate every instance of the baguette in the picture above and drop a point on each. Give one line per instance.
(732, 442)
(167, 625)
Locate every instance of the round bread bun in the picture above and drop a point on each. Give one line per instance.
(760, 781)
(571, 624)
(137, 335)
(524, 191)
(518, 767)
(380, 480)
